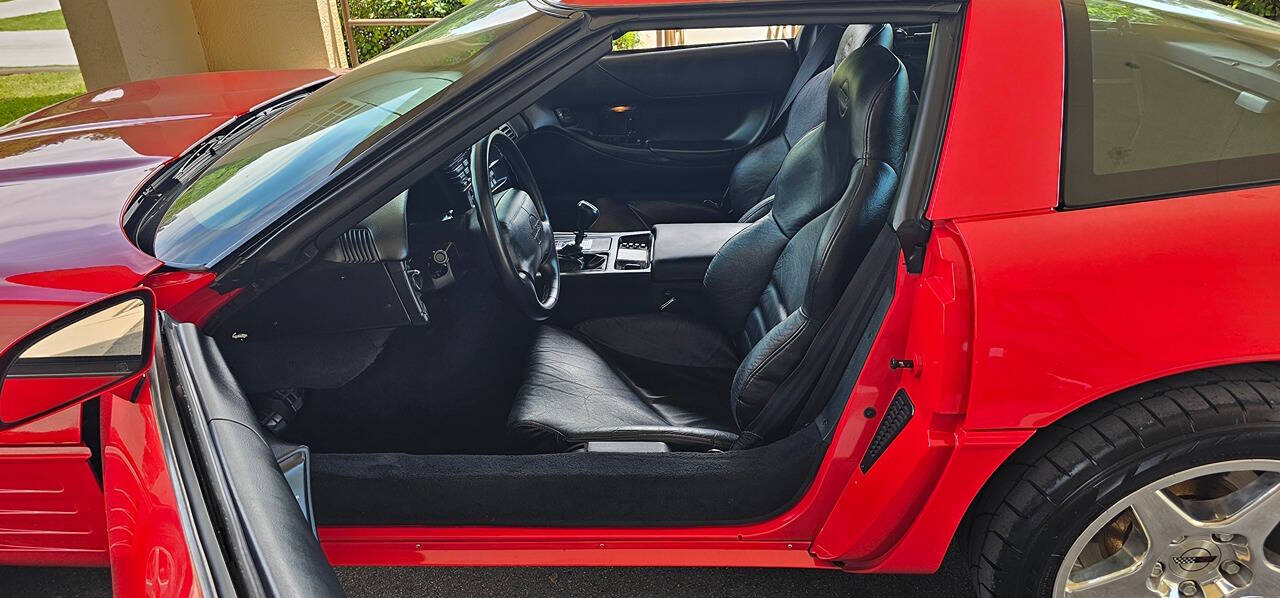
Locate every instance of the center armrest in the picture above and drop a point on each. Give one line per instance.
(682, 252)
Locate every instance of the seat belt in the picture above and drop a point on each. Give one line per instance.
(824, 45)
(823, 49)
(828, 355)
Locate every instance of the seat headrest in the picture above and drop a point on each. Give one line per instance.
(867, 107)
(857, 36)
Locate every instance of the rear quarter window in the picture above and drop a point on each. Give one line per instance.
(1168, 97)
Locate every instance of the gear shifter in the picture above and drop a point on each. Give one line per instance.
(588, 214)
(571, 257)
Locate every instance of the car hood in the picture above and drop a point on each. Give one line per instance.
(67, 173)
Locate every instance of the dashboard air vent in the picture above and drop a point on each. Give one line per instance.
(356, 246)
(459, 171)
(506, 129)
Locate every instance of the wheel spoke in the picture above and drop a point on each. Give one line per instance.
(1253, 510)
(1123, 573)
(1266, 581)
(1128, 582)
(1161, 520)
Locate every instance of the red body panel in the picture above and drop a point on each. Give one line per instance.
(1134, 292)
(66, 174)
(149, 553)
(51, 510)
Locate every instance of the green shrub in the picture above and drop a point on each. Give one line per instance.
(1266, 8)
(628, 41)
(372, 40)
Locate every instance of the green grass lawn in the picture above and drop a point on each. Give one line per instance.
(25, 93)
(41, 20)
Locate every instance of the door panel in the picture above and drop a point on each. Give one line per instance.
(196, 501)
(264, 523)
(148, 522)
(661, 124)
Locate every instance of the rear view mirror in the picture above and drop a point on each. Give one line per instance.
(76, 357)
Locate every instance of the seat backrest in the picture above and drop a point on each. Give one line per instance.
(773, 285)
(754, 178)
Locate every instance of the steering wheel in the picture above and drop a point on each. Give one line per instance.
(516, 228)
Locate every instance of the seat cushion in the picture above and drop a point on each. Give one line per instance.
(571, 395)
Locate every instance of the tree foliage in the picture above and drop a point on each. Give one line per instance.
(372, 40)
(1266, 8)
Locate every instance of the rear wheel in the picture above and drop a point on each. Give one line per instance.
(1170, 489)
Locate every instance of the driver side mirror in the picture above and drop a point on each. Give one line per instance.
(76, 357)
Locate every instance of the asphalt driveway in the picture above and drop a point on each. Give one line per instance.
(421, 582)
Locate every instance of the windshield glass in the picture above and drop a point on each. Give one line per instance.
(279, 165)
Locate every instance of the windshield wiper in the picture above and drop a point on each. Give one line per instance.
(152, 198)
(203, 156)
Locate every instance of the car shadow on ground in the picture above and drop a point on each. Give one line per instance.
(420, 582)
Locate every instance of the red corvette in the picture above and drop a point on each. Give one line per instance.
(518, 293)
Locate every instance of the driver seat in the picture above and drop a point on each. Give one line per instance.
(771, 288)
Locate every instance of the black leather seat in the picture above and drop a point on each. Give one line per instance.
(772, 286)
(754, 179)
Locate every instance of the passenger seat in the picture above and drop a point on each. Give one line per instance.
(753, 181)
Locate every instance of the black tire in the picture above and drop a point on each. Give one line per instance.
(1036, 506)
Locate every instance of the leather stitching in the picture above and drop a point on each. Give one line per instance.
(875, 100)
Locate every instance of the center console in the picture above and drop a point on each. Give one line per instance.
(609, 274)
(605, 252)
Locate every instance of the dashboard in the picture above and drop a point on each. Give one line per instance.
(387, 267)
(447, 194)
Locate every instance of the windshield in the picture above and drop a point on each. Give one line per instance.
(285, 161)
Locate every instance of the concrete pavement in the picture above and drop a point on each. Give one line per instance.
(17, 8)
(35, 48)
(22, 50)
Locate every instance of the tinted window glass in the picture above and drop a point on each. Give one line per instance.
(279, 165)
(1168, 97)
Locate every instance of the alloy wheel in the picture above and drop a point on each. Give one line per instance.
(1206, 531)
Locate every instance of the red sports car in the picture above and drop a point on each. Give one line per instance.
(518, 292)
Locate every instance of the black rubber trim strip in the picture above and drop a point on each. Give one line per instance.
(205, 551)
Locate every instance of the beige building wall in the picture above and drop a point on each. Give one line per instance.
(128, 40)
(268, 34)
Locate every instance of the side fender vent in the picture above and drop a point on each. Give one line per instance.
(356, 246)
(895, 419)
